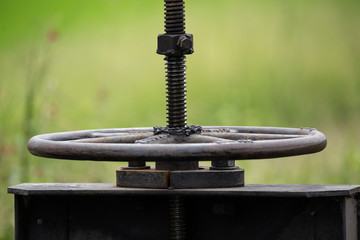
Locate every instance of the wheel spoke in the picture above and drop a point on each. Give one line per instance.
(258, 130)
(117, 132)
(249, 136)
(200, 138)
(118, 138)
(181, 139)
(157, 139)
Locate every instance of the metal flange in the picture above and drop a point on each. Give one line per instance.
(184, 179)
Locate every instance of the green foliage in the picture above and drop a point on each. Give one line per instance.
(71, 65)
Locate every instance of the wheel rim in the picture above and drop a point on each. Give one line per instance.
(214, 143)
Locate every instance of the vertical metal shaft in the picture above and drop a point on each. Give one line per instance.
(174, 16)
(176, 102)
(176, 91)
(175, 67)
(177, 218)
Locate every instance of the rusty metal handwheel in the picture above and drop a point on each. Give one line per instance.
(213, 143)
(178, 148)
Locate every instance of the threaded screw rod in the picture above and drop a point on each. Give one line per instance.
(175, 67)
(174, 17)
(177, 218)
(176, 91)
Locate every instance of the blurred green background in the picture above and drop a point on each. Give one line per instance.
(71, 65)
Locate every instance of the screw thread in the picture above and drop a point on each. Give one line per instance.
(176, 91)
(177, 218)
(174, 16)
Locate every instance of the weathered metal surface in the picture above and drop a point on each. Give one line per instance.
(350, 216)
(61, 145)
(102, 215)
(266, 218)
(91, 218)
(249, 190)
(121, 138)
(206, 178)
(136, 165)
(187, 130)
(40, 218)
(223, 165)
(142, 178)
(180, 179)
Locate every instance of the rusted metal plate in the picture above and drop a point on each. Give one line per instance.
(214, 143)
(207, 178)
(159, 179)
(142, 178)
(265, 190)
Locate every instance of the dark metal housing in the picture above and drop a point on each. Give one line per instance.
(254, 212)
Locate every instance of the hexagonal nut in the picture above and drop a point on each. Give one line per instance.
(175, 44)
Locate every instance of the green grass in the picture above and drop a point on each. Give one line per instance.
(260, 63)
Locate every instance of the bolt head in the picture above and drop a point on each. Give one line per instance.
(185, 43)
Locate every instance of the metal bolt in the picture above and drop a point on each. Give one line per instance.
(184, 43)
(136, 165)
(223, 165)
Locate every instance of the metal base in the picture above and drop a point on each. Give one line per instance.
(85, 211)
(202, 178)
